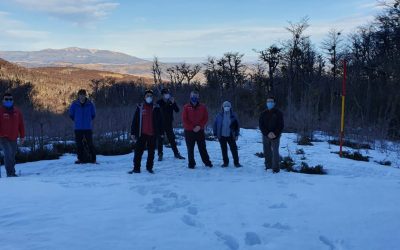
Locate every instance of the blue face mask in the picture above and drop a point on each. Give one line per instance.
(8, 104)
(270, 105)
(194, 99)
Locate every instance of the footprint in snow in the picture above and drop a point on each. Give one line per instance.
(278, 206)
(190, 221)
(228, 240)
(277, 226)
(252, 239)
(168, 202)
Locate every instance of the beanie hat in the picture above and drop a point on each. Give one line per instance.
(82, 92)
(148, 91)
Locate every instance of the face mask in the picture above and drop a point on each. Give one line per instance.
(8, 104)
(167, 96)
(227, 109)
(149, 99)
(194, 99)
(270, 105)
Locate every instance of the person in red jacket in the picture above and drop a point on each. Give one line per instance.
(11, 126)
(195, 118)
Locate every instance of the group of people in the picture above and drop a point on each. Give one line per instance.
(152, 124)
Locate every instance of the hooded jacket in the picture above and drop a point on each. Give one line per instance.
(234, 124)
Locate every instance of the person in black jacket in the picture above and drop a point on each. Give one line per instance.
(168, 106)
(271, 125)
(146, 127)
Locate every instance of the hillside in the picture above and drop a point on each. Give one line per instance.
(73, 55)
(53, 86)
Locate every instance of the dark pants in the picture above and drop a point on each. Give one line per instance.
(142, 142)
(224, 142)
(271, 152)
(191, 139)
(169, 131)
(10, 150)
(82, 137)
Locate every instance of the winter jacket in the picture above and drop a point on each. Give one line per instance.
(271, 121)
(11, 123)
(82, 114)
(136, 127)
(234, 126)
(194, 115)
(167, 111)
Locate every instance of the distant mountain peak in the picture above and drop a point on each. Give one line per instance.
(70, 55)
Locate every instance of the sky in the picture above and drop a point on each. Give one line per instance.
(171, 28)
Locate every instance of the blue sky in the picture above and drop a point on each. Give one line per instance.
(171, 28)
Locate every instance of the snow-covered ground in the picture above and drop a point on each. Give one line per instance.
(67, 206)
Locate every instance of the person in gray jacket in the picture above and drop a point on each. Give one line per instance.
(226, 129)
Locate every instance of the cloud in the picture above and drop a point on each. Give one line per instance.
(218, 39)
(79, 12)
(15, 34)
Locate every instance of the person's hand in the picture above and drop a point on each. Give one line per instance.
(22, 140)
(133, 138)
(271, 135)
(196, 129)
(172, 100)
(236, 138)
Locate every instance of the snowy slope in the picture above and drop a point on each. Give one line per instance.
(355, 206)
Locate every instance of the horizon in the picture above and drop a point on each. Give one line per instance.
(154, 30)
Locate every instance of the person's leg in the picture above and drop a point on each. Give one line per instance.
(223, 141)
(151, 148)
(267, 152)
(160, 142)
(89, 141)
(234, 150)
(275, 154)
(8, 161)
(79, 144)
(169, 131)
(190, 142)
(139, 149)
(201, 144)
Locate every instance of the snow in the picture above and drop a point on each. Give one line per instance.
(59, 205)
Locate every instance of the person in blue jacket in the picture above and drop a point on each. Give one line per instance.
(226, 129)
(82, 112)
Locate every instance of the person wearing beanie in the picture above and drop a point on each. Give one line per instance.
(11, 127)
(271, 125)
(195, 118)
(226, 129)
(168, 106)
(146, 127)
(83, 112)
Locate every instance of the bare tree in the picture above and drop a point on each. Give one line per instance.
(156, 70)
(272, 57)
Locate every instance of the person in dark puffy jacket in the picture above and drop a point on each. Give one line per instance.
(226, 129)
(271, 125)
(11, 127)
(146, 127)
(168, 107)
(82, 112)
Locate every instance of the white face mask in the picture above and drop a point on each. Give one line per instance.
(149, 99)
(227, 109)
(167, 96)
